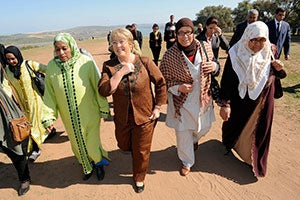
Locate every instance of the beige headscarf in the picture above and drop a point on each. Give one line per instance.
(251, 68)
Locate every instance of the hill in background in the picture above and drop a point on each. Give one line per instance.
(79, 33)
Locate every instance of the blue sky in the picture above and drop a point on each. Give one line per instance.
(23, 16)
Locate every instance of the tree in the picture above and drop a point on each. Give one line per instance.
(222, 13)
(266, 9)
(240, 13)
(292, 8)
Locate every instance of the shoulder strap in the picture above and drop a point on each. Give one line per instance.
(203, 47)
(28, 67)
(5, 109)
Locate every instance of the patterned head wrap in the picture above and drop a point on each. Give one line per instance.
(17, 53)
(192, 48)
(252, 68)
(70, 41)
(184, 22)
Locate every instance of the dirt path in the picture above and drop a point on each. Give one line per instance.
(56, 174)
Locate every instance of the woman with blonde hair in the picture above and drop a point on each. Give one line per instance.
(128, 78)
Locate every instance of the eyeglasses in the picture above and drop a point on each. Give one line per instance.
(182, 33)
(121, 42)
(260, 41)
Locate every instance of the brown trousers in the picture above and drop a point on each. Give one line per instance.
(137, 139)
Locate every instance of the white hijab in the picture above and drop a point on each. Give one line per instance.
(252, 68)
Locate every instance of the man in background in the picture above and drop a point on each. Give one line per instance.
(169, 34)
(280, 33)
(199, 29)
(252, 16)
(138, 35)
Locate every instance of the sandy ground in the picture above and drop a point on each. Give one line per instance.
(56, 173)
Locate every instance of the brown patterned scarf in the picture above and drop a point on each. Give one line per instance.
(176, 72)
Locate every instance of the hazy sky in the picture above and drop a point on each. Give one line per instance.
(23, 16)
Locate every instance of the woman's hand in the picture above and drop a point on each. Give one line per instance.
(117, 77)
(277, 64)
(225, 113)
(185, 88)
(49, 128)
(155, 113)
(126, 68)
(208, 67)
(218, 31)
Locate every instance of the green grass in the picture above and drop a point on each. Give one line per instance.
(291, 84)
(28, 47)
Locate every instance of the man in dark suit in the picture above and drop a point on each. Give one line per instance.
(240, 28)
(280, 33)
(170, 32)
(138, 35)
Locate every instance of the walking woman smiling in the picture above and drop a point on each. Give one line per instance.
(71, 89)
(128, 78)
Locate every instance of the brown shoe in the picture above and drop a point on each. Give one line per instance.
(185, 171)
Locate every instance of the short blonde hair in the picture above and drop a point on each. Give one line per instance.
(121, 33)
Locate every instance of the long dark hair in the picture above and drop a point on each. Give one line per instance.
(209, 21)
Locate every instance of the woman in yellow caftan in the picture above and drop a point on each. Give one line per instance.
(71, 89)
(29, 98)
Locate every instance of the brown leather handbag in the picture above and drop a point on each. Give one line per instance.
(20, 127)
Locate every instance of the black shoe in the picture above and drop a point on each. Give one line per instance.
(51, 134)
(196, 146)
(227, 151)
(25, 189)
(87, 176)
(139, 189)
(100, 172)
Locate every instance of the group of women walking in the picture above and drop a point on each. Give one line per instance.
(75, 90)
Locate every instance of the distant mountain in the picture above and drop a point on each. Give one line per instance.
(79, 33)
(46, 38)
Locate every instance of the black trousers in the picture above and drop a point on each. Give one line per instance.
(19, 161)
(155, 53)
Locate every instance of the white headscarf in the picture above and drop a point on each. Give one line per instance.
(252, 68)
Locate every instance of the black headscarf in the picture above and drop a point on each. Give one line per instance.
(192, 49)
(2, 61)
(17, 53)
